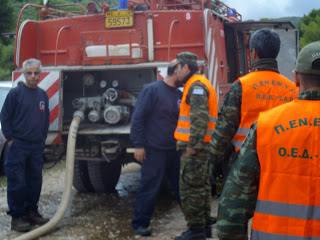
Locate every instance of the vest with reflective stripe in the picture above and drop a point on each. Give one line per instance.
(288, 204)
(182, 132)
(261, 91)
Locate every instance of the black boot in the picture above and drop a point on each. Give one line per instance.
(34, 218)
(209, 227)
(193, 234)
(209, 231)
(20, 224)
(143, 231)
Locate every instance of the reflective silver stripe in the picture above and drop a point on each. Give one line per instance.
(213, 119)
(183, 130)
(243, 131)
(187, 119)
(187, 131)
(257, 235)
(288, 210)
(236, 143)
(184, 118)
(209, 131)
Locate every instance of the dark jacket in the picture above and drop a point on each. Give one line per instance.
(25, 114)
(155, 116)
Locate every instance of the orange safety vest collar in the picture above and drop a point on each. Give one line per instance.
(182, 132)
(288, 204)
(261, 91)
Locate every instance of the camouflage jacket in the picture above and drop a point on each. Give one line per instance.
(238, 198)
(229, 115)
(199, 117)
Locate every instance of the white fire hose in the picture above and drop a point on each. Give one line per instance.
(77, 118)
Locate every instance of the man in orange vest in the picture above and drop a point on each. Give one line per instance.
(261, 89)
(277, 172)
(198, 113)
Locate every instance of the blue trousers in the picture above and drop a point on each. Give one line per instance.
(23, 168)
(157, 164)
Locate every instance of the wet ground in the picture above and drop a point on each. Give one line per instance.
(99, 216)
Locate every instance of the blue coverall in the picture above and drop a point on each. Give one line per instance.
(25, 120)
(152, 127)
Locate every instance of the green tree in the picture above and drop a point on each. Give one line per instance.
(6, 60)
(7, 19)
(6, 45)
(309, 28)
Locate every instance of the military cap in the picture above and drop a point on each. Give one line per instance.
(306, 57)
(186, 57)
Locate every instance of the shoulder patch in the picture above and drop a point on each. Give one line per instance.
(198, 91)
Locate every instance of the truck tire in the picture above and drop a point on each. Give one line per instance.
(104, 176)
(81, 180)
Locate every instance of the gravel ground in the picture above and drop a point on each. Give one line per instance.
(93, 216)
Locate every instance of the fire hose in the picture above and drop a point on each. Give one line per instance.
(78, 116)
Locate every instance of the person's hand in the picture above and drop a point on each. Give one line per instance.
(140, 154)
(10, 142)
(191, 151)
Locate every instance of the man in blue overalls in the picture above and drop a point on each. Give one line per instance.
(25, 122)
(153, 123)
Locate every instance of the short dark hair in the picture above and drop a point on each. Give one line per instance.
(266, 42)
(311, 80)
(171, 69)
(316, 64)
(193, 66)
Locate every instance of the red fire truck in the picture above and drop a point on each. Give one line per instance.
(96, 60)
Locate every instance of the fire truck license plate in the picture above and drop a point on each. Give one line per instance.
(122, 18)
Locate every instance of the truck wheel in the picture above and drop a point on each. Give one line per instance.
(104, 176)
(81, 180)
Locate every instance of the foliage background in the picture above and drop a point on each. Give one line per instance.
(308, 26)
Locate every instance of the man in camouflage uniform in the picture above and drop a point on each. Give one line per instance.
(264, 48)
(200, 99)
(239, 196)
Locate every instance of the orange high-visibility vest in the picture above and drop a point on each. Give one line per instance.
(261, 91)
(182, 132)
(288, 147)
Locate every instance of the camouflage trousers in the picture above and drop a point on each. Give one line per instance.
(195, 189)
